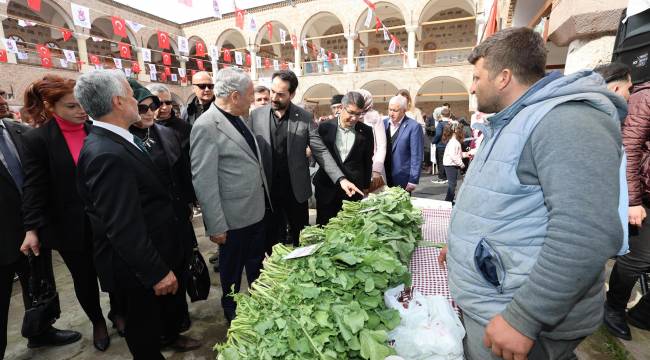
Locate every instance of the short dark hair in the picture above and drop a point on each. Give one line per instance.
(445, 112)
(260, 89)
(519, 49)
(288, 76)
(447, 105)
(614, 71)
(353, 98)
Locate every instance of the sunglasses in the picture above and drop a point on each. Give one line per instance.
(142, 109)
(203, 86)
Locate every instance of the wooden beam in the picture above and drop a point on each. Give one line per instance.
(543, 11)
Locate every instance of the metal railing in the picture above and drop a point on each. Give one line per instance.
(443, 56)
(323, 67)
(379, 62)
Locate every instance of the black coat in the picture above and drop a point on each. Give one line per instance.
(134, 226)
(11, 220)
(182, 129)
(51, 203)
(357, 167)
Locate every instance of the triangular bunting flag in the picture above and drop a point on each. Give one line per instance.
(94, 59)
(269, 27)
(368, 18)
(226, 55)
(370, 4)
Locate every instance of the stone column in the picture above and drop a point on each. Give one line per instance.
(252, 50)
(411, 61)
(83, 52)
(351, 66)
(297, 60)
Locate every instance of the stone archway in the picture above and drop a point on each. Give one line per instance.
(382, 91)
(444, 89)
(324, 33)
(376, 48)
(318, 97)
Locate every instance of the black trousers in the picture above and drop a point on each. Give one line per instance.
(84, 277)
(243, 248)
(440, 153)
(452, 173)
(286, 209)
(150, 317)
(7, 272)
(629, 267)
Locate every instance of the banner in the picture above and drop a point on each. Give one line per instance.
(125, 50)
(10, 45)
(163, 40)
(146, 55)
(118, 63)
(276, 65)
(181, 72)
(258, 62)
(215, 11)
(368, 18)
(81, 15)
(183, 45)
(167, 58)
(119, 26)
(152, 68)
(174, 77)
(283, 36)
(134, 26)
(70, 56)
(214, 53)
(238, 58)
(200, 49)
(66, 34)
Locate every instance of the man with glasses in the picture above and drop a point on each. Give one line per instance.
(351, 143)
(203, 88)
(283, 131)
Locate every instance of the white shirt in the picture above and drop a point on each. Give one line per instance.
(117, 130)
(393, 127)
(344, 141)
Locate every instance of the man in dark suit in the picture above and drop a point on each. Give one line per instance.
(136, 244)
(12, 262)
(351, 144)
(283, 131)
(405, 139)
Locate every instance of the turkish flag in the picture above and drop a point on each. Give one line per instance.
(370, 4)
(377, 24)
(200, 49)
(239, 22)
(163, 40)
(34, 5)
(167, 58)
(199, 64)
(248, 59)
(294, 41)
(168, 70)
(269, 27)
(94, 59)
(67, 34)
(163, 77)
(43, 51)
(3, 55)
(491, 25)
(226, 55)
(135, 67)
(125, 50)
(46, 62)
(267, 63)
(119, 26)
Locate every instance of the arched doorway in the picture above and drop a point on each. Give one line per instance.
(272, 48)
(318, 98)
(233, 46)
(447, 42)
(444, 89)
(157, 59)
(104, 44)
(373, 43)
(381, 91)
(326, 43)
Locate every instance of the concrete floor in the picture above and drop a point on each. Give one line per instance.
(208, 324)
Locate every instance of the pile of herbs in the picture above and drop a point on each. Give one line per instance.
(330, 305)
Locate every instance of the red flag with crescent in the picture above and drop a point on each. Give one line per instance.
(168, 70)
(34, 5)
(46, 62)
(135, 67)
(267, 63)
(125, 50)
(248, 59)
(67, 34)
(200, 49)
(167, 58)
(239, 22)
(94, 59)
(226, 55)
(163, 40)
(199, 64)
(3, 55)
(119, 26)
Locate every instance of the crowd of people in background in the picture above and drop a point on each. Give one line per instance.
(106, 172)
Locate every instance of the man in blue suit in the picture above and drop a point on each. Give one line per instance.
(404, 137)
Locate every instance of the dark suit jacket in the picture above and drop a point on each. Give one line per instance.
(134, 227)
(357, 167)
(11, 220)
(51, 204)
(301, 132)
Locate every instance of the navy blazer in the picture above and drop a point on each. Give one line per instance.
(407, 153)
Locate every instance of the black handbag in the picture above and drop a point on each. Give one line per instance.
(43, 308)
(198, 285)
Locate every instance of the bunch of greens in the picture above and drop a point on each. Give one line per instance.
(330, 305)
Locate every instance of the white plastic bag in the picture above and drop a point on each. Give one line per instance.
(429, 329)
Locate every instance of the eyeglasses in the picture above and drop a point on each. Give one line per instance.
(166, 102)
(143, 109)
(351, 113)
(203, 86)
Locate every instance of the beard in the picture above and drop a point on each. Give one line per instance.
(488, 105)
(277, 105)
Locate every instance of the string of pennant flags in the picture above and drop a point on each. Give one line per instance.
(81, 18)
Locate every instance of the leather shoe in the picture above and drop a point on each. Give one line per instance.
(54, 337)
(184, 343)
(616, 324)
(639, 315)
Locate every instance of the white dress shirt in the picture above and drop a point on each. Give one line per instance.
(344, 141)
(117, 130)
(395, 127)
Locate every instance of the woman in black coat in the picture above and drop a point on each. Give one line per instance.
(53, 213)
(165, 150)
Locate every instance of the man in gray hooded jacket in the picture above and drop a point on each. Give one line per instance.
(537, 216)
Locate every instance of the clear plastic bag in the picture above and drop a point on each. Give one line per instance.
(429, 329)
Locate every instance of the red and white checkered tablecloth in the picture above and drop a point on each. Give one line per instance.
(428, 276)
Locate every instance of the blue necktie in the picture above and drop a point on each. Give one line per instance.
(13, 164)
